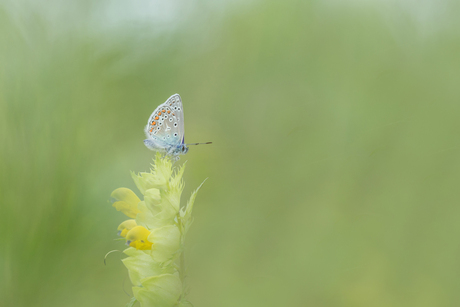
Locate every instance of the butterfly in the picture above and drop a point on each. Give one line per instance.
(165, 128)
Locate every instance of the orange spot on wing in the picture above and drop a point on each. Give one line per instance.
(151, 130)
(169, 112)
(157, 118)
(154, 123)
(163, 111)
(159, 113)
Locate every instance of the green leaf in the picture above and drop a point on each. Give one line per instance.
(186, 212)
(176, 180)
(185, 303)
(159, 291)
(166, 242)
(140, 265)
(131, 302)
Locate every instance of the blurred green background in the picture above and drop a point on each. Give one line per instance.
(334, 173)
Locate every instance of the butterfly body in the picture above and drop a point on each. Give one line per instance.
(165, 128)
(168, 149)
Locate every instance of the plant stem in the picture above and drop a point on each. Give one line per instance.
(182, 267)
(182, 254)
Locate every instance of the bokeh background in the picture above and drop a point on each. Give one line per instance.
(334, 174)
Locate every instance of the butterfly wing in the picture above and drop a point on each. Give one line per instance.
(166, 124)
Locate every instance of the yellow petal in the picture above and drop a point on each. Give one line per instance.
(126, 226)
(137, 238)
(126, 201)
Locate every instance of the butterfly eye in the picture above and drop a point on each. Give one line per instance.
(166, 116)
(178, 109)
(175, 124)
(171, 119)
(175, 108)
(175, 134)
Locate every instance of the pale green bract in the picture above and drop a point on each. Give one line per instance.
(155, 259)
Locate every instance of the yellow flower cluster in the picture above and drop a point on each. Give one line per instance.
(155, 234)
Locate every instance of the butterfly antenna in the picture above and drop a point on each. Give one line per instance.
(200, 143)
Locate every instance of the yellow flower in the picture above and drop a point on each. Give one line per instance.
(126, 226)
(155, 234)
(126, 201)
(137, 238)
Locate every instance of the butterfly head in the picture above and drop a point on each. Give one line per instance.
(176, 150)
(181, 149)
(184, 149)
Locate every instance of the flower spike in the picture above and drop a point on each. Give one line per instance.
(155, 234)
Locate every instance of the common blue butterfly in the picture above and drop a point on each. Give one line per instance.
(165, 128)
